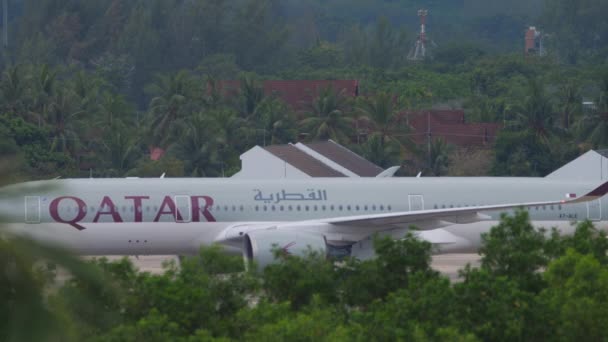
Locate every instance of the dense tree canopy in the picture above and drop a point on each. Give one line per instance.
(529, 286)
(92, 87)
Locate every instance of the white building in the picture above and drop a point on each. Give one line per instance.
(305, 160)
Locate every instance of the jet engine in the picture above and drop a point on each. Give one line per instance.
(259, 245)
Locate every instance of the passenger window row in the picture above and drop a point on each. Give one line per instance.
(315, 207)
(323, 207)
(446, 206)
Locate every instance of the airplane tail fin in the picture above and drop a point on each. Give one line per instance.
(592, 165)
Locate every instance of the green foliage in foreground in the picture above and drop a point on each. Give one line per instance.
(531, 285)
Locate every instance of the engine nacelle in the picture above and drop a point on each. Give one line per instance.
(259, 245)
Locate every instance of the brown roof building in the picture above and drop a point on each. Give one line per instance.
(344, 157)
(298, 94)
(319, 159)
(303, 161)
(450, 126)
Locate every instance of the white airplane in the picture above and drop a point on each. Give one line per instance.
(335, 215)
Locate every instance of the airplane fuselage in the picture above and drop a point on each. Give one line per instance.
(160, 216)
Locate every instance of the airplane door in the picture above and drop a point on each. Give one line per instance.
(594, 210)
(32, 209)
(182, 206)
(416, 202)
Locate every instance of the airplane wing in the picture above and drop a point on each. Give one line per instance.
(354, 228)
(454, 215)
(257, 239)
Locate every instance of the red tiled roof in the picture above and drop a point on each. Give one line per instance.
(446, 116)
(296, 93)
(302, 161)
(450, 126)
(300, 93)
(345, 158)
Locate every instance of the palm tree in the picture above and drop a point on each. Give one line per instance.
(536, 113)
(416, 98)
(87, 87)
(113, 107)
(329, 117)
(121, 147)
(63, 118)
(381, 153)
(197, 147)
(230, 133)
(172, 95)
(12, 88)
(570, 103)
(209, 142)
(597, 129)
(251, 95)
(212, 94)
(593, 126)
(439, 158)
(483, 108)
(42, 91)
(275, 121)
(382, 115)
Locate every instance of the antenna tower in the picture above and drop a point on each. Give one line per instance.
(419, 50)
